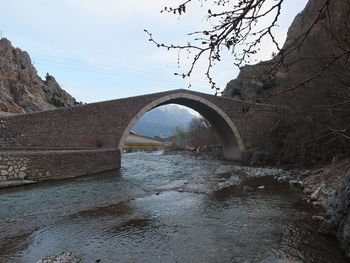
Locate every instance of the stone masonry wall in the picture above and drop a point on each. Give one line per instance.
(13, 167)
(102, 124)
(43, 165)
(252, 120)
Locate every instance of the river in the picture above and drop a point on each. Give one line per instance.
(160, 208)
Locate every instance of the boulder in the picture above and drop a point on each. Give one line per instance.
(337, 219)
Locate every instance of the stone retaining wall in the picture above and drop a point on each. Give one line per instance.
(13, 167)
(44, 165)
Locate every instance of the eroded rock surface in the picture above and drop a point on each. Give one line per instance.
(21, 89)
(309, 82)
(328, 37)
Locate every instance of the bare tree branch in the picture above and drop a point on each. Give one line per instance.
(235, 29)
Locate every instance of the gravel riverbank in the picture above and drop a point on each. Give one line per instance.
(319, 184)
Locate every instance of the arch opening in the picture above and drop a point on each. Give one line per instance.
(232, 143)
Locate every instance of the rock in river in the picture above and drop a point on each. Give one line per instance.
(337, 221)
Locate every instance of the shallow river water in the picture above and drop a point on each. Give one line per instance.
(160, 208)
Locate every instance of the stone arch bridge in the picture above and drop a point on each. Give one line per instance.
(89, 138)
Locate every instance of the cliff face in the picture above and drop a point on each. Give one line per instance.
(328, 38)
(311, 77)
(21, 89)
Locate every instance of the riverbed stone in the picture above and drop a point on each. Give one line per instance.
(318, 218)
(66, 257)
(248, 188)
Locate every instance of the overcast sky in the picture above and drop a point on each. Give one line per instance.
(97, 50)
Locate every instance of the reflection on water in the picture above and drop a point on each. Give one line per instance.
(159, 208)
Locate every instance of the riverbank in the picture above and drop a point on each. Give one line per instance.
(326, 187)
(204, 155)
(13, 183)
(319, 182)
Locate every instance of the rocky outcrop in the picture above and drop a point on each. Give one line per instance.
(326, 37)
(337, 221)
(21, 89)
(249, 83)
(310, 80)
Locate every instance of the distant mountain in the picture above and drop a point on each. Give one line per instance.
(163, 120)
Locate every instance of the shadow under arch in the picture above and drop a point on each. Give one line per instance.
(232, 142)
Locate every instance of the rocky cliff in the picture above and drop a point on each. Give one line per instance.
(21, 89)
(311, 76)
(312, 43)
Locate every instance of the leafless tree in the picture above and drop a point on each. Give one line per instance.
(201, 133)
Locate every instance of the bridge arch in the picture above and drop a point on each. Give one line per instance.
(232, 142)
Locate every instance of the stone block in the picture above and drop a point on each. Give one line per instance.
(22, 175)
(3, 178)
